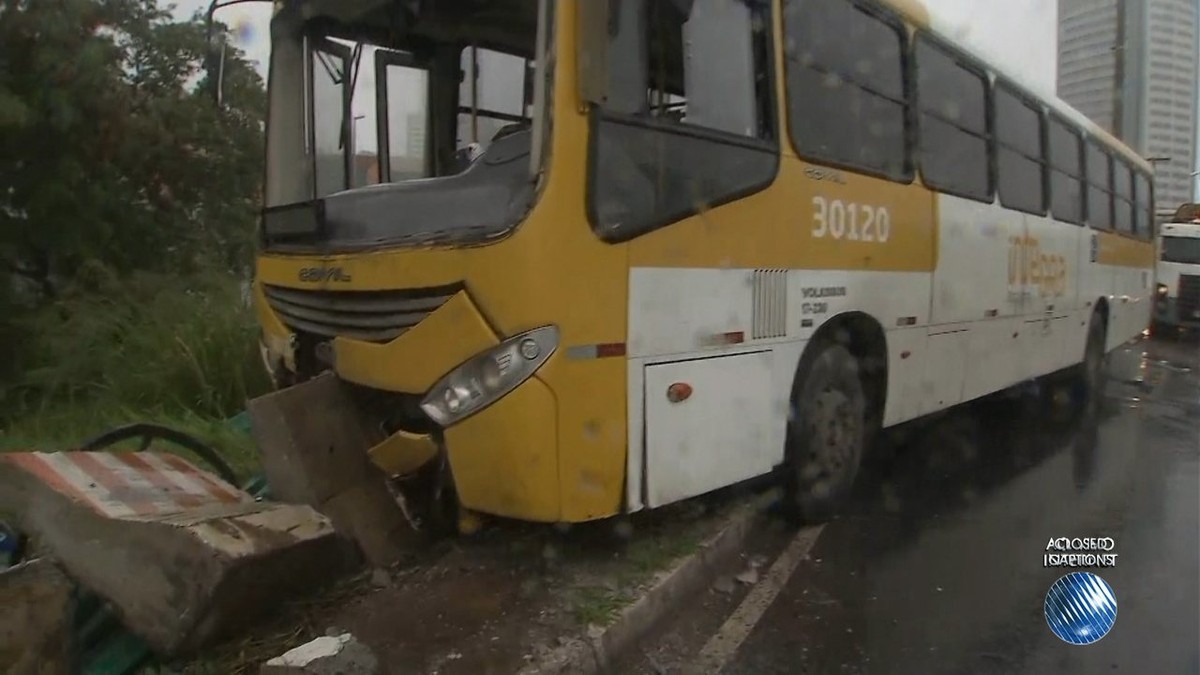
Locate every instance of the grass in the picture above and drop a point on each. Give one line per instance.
(644, 556)
(599, 606)
(66, 428)
(173, 351)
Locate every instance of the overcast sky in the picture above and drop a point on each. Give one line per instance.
(1020, 36)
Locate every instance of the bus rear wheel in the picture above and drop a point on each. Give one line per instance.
(827, 432)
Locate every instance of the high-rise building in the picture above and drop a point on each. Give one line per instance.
(1131, 66)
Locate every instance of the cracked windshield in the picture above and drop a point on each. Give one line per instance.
(599, 336)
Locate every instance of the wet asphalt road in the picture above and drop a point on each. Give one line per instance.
(937, 568)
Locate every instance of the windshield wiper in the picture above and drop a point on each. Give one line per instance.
(334, 75)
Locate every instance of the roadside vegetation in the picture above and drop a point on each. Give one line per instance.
(128, 201)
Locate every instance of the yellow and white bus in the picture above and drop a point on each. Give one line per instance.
(609, 255)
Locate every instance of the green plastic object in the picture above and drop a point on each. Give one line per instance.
(239, 422)
(121, 654)
(105, 647)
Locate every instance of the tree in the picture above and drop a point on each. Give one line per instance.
(112, 151)
(115, 164)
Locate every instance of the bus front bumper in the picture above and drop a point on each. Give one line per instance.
(503, 458)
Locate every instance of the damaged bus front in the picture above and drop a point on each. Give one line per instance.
(414, 241)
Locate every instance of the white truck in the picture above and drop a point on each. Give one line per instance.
(1177, 294)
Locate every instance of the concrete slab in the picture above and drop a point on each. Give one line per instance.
(314, 442)
(183, 557)
(369, 515)
(312, 439)
(35, 624)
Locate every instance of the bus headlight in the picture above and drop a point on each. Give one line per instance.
(1160, 293)
(488, 376)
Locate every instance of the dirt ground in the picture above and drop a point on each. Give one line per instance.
(490, 603)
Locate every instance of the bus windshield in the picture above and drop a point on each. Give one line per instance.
(427, 122)
(1185, 250)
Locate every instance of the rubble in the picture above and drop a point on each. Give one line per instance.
(327, 655)
(748, 577)
(313, 441)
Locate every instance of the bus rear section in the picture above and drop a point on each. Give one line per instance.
(1177, 296)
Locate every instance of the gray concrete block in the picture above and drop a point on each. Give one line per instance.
(369, 515)
(179, 578)
(312, 440)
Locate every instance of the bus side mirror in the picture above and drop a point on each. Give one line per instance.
(593, 27)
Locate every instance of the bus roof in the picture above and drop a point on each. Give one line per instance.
(915, 12)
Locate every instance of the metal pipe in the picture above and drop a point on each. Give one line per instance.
(474, 94)
(541, 109)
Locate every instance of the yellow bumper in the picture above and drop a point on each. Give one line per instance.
(403, 453)
(504, 458)
(415, 361)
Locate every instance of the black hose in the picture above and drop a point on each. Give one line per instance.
(148, 432)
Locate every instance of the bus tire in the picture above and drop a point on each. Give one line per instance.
(827, 432)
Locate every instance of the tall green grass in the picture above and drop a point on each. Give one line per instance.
(177, 351)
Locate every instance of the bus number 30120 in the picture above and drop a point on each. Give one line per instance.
(850, 221)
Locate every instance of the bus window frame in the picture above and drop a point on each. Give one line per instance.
(1119, 162)
(1081, 157)
(1029, 101)
(598, 115)
(385, 58)
(487, 113)
(977, 68)
(1089, 141)
(324, 44)
(908, 72)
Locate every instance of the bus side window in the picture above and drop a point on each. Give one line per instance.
(954, 142)
(1144, 205)
(1099, 193)
(494, 95)
(1020, 169)
(847, 98)
(687, 122)
(1122, 197)
(1066, 173)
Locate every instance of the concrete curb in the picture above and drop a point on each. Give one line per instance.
(586, 655)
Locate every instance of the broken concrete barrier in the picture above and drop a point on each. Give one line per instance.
(183, 557)
(36, 611)
(330, 655)
(313, 440)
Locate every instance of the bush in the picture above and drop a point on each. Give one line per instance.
(146, 347)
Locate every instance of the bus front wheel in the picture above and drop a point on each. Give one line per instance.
(827, 431)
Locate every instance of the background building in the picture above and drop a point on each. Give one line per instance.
(1131, 66)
